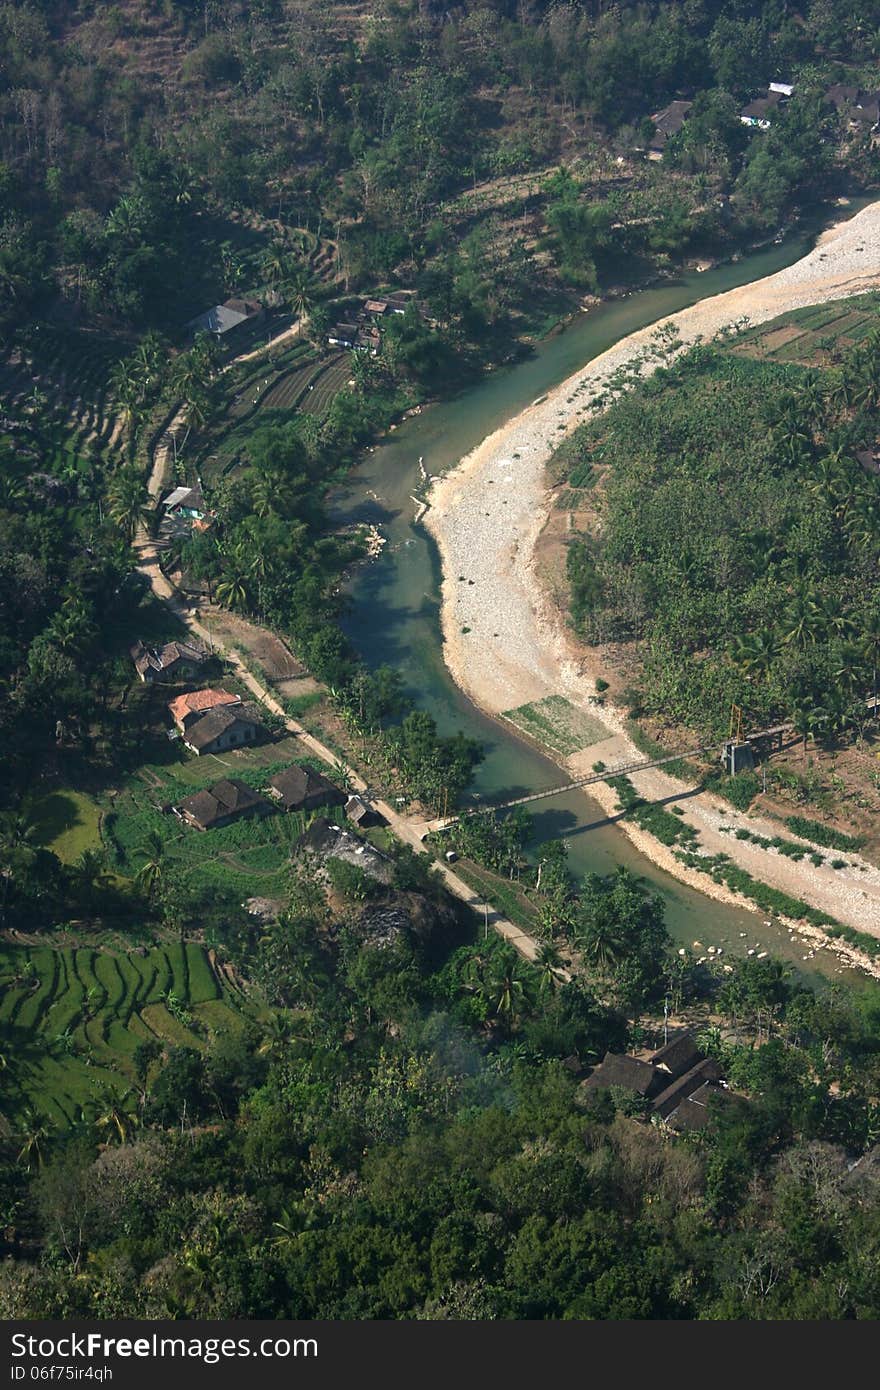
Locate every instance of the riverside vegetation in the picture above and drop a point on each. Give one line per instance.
(357, 1106)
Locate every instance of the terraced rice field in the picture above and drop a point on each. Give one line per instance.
(70, 1019)
(308, 387)
(63, 383)
(333, 379)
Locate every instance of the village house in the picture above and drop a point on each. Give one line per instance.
(869, 459)
(222, 804)
(361, 332)
(859, 108)
(678, 1080)
(186, 709)
(226, 318)
(222, 729)
(299, 789)
(357, 811)
(667, 123)
(174, 661)
(343, 335)
(185, 502)
(758, 112)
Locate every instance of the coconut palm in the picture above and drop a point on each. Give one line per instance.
(110, 1118)
(549, 964)
(287, 1228)
(151, 871)
(12, 492)
(755, 652)
(299, 290)
(127, 500)
(33, 1134)
(799, 619)
(507, 987)
(234, 590)
(601, 945)
(275, 263)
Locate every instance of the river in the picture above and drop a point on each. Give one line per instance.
(394, 613)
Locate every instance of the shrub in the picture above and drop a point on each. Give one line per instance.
(823, 834)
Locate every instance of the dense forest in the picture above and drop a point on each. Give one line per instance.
(355, 1103)
(738, 552)
(147, 147)
(399, 1138)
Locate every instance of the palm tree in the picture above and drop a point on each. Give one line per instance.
(151, 871)
(807, 719)
(90, 872)
(756, 652)
(601, 944)
(12, 492)
(288, 1226)
(128, 502)
(800, 618)
(126, 220)
(549, 964)
(33, 1134)
(850, 666)
(278, 1035)
(110, 1118)
(867, 384)
(507, 987)
(299, 291)
(275, 263)
(234, 591)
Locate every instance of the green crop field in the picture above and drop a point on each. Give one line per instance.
(67, 822)
(556, 724)
(812, 336)
(249, 856)
(71, 1019)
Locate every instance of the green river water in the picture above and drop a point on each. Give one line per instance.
(395, 599)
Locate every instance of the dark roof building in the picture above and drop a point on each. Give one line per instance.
(677, 1055)
(685, 1085)
(667, 123)
(186, 501)
(186, 709)
(224, 318)
(223, 803)
(173, 661)
(842, 97)
(629, 1073)
(343, 335)
(300, 789)
(696, 1110)
(359, 812)
(758, 112)
(222, 728)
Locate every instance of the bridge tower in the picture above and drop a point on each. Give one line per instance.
(738, 754)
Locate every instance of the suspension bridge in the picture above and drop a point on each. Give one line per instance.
(732, 752)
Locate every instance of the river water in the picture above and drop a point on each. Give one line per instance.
(395, 600)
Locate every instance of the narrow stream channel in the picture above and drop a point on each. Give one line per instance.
(394, 614)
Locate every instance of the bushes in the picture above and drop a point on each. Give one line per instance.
(659, 822)
(823, 834)
(351, 881)
(740, 790)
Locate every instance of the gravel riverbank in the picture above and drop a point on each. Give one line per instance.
(504, 640)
